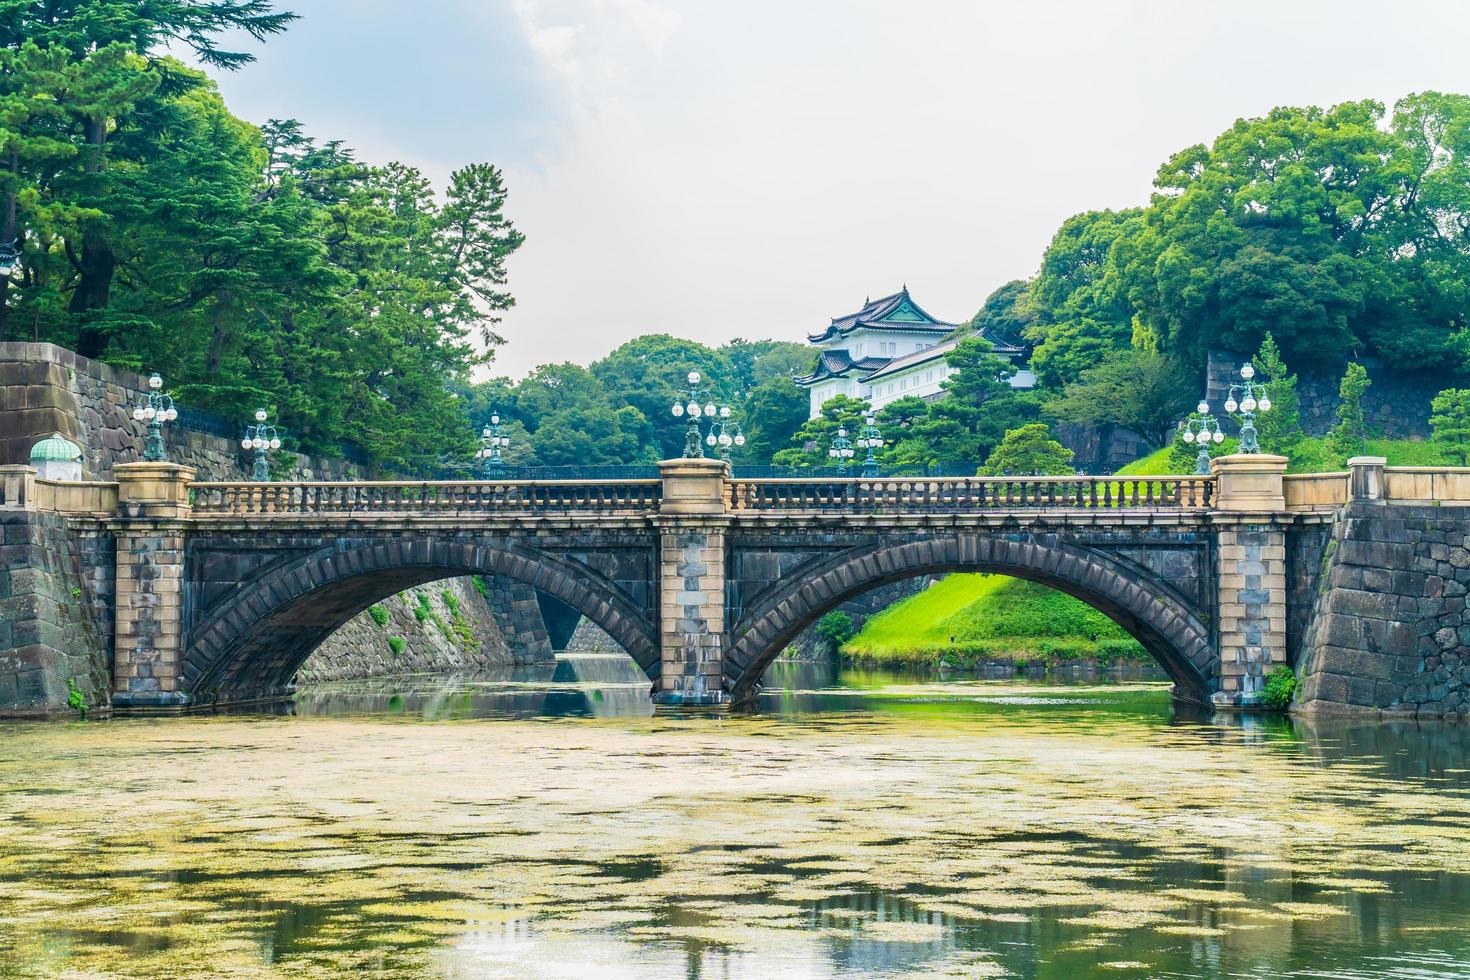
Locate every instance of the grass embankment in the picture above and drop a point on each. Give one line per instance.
(1312, 456)
(966, 620)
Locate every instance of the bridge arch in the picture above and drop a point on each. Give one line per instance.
(251, 644)
(1146, 607)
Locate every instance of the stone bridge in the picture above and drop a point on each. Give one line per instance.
(222, 590)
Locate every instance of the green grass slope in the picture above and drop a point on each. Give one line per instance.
(1311, 456)
(964, 620)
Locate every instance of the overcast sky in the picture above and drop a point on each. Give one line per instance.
(716, 169)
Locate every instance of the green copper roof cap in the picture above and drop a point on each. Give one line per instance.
(56, 448)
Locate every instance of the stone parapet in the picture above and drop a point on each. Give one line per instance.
(1250, 483)
(693, 486)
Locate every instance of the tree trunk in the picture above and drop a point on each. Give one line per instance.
(97, 263)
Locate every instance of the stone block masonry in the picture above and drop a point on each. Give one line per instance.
(692, 615)
(518, 617)
(55, 612)
(452, 637)
(1390, 630)
(1253, 622)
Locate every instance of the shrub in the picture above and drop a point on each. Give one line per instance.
(451, 602)
(75, 699)
(836, 628)
(378, 613)
(1281, 685)
(422, 611)
(397, 644)
(481, 586)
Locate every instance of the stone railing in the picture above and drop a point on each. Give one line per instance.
(22, 489)
(973, 494)
(443, 497)
(1315, 491)
(1427, 485)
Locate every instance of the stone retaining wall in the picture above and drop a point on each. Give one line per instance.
(588, 637)
(438, 641)
(1396, 404)
(1390, 629)
(55, 613)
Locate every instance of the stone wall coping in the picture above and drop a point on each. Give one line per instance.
(13, 350)
(1376, 461)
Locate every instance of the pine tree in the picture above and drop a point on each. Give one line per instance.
(1348, 436)
(1280, 428)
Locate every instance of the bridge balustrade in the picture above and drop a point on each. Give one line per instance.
(554, 496)
(973, 494)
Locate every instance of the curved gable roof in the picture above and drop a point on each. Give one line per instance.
(894, 312)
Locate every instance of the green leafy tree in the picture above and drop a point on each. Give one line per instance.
(648, 373)
(1351, 429)
(1280, 428)
(1006, 315)
(1450, 421)
(1079, 309)
(836, 628)
(772, 414)
(1029, 451)
(1137, 389)
(753, 362)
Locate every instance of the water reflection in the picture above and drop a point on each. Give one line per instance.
(579, 685)
(542, 821)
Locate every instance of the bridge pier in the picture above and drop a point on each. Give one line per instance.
(1251, 557)
(151, 529)
(692, 523)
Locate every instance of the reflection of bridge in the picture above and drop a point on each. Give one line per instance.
(224, 589)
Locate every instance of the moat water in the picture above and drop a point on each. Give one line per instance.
(545, 824)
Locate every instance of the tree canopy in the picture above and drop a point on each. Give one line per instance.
(1340, 231)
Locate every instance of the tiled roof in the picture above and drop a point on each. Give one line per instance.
(872, 314)
(836, 363)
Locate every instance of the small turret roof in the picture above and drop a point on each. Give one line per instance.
(56, 448)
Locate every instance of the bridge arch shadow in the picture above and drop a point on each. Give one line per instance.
(1147, 610)
(251, 644)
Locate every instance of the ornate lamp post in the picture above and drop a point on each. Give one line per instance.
(689, 403)
(870, 438)
(725, 433)
(841, 450)
(1202, 428)
(261, 437)
(1252, 397)
(492, 440)
(156, 408)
